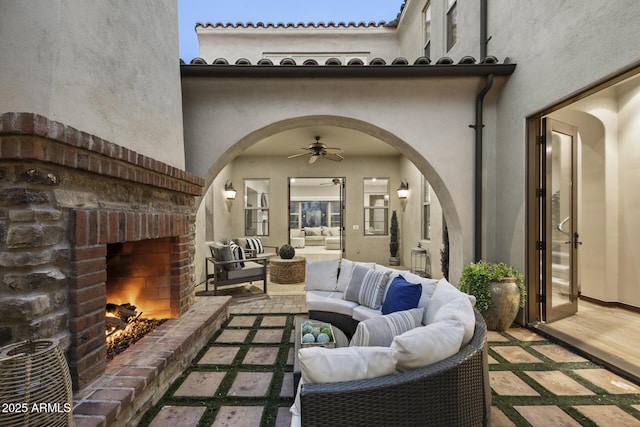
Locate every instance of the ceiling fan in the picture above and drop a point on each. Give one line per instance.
(318, 149)
(334, 181)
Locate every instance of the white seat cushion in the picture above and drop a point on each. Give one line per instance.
(324, 365)
(328, 365)
(329, 301)
(362, 312)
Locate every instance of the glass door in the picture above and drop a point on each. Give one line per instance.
(316, 213)
(559, 160)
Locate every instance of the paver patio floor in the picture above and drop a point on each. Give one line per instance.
(244, 378)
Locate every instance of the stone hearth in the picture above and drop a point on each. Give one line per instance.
(67, 198)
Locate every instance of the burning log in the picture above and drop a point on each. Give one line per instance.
(114, 324)
(125, 327)
(123, 311)
(118, 315)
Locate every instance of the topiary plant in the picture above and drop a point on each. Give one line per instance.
(286, 252)
(393, 238)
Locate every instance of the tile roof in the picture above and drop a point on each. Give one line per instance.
(333, 67)
(352, 24)
(330, 24)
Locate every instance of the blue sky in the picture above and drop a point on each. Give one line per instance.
(192, 11)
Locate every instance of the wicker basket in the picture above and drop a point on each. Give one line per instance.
(35, 385)
(288, 271)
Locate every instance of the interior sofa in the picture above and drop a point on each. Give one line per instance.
(316, 236)
(429, 370)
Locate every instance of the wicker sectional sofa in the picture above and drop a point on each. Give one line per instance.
(453, 391)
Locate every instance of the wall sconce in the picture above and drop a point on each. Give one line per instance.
(403, 194)
(403, 190)
(229, 191)
(229, 194)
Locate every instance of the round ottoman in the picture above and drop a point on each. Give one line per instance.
(287, 271)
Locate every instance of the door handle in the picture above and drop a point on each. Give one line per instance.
(576, 242)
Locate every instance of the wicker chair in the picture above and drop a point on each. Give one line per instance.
(452, 392)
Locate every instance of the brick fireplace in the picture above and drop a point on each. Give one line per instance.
(81, 217)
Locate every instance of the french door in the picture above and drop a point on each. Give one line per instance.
(559, 238)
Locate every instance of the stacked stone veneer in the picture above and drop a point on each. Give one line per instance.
(65, 195)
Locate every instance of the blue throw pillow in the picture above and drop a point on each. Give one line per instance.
(401, 295)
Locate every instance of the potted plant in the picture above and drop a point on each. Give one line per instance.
(393, 241)
(499, 291)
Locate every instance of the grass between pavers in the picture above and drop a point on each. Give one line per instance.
(271, 402)
(507, 404)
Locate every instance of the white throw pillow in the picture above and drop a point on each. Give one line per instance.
(460, 310)
(448, 302)
(380, 331)
(428, 288)
(346, 268)
(321, 275)
(429, 344)
(329, 365)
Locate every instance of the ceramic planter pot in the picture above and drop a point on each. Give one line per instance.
(505, 303)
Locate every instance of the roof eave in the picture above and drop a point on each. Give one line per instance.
(345, 71)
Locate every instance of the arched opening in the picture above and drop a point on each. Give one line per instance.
(369, 152)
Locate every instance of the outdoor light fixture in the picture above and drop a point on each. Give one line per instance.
(403, 190)
(229, 191)
(403, 194)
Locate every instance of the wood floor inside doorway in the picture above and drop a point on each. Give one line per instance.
(610, 336)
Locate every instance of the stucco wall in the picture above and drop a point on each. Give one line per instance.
(411, 220)
(428, 122)
(255, 43)
(561, 59)
(560, 50)
(107, 68)
(411, 30)
(629, 157)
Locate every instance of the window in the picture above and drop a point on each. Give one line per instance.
(314, 214)
(426, 210)
(334, 214)
(294, 215)
(427, 30)
(256, 207)
(452, 23)
(376, 206)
